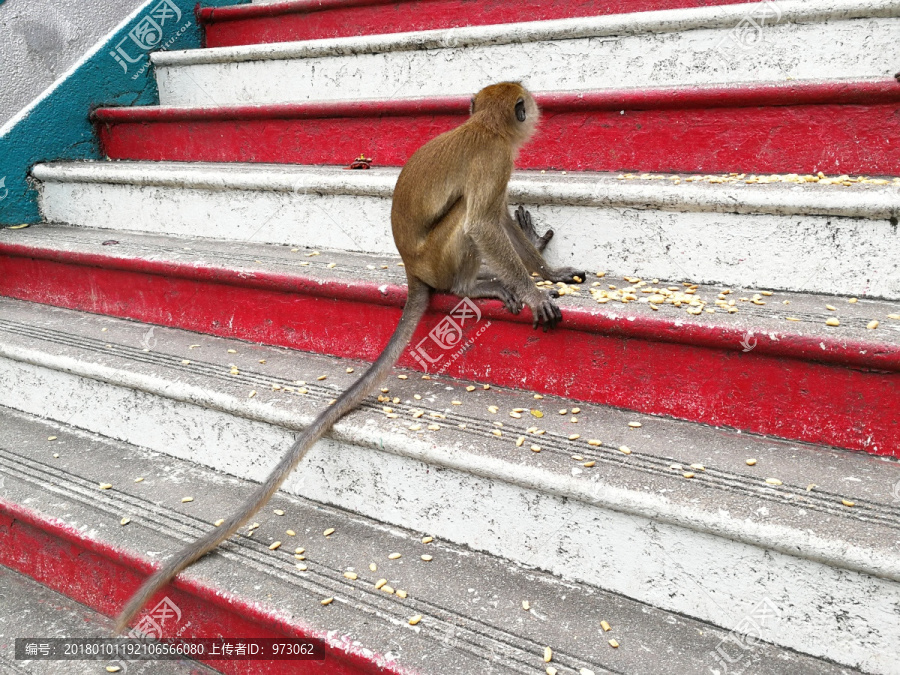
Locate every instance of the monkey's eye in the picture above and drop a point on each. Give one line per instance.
(472, 105)
(520, 110)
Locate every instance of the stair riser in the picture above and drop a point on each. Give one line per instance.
(687, 57)
(821, 254)
(773, 393)
(850, 138)
(98, 576)
(503, 516)
(323, 20)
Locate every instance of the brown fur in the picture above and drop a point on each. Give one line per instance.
(449, 212)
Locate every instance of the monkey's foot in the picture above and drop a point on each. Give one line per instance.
(495, 290)
(540, 242)
(568, 275)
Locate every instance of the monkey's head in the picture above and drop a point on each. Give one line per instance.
(508, 108)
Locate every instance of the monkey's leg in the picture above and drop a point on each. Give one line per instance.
(531, 257)
(493, 289)
(486, 230)
(523, 218)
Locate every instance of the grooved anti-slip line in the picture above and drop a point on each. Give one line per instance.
(474, 635)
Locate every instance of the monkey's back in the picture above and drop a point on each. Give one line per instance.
(432, 184)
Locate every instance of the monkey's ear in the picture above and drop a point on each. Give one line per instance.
(472, 106)
(520, 110)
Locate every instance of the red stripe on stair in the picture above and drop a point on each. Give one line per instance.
(811, 388)
(103, 577)
(833, 127)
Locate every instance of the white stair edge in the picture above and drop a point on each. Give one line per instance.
(599, 189)
(609, 25)
(604, 529)
(676, 47)
(810, 238)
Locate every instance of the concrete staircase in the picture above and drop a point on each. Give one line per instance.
(703, 455)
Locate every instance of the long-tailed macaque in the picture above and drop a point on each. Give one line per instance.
(449, 214)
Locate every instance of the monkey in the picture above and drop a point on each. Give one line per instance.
(449, 213)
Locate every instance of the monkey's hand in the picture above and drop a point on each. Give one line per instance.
(544, 311)
(567, 275)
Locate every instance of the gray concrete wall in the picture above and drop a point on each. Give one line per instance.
(41, 39)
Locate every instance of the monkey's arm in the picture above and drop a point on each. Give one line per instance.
(416, 304)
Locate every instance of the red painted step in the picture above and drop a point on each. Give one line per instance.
(318, 19)
(102, 577)
(801, 127)
(799, 380)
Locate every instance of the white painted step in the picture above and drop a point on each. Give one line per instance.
(801, 39)
(810, 237)
(713, 547)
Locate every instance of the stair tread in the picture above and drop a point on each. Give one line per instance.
(283, 267)
(726, 497)
(31, 610)
(473, 597)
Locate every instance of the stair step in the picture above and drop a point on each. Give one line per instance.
(846, 39)
(68, 536)
(807, 237)
(808, 127)
(281, 21)
(796, 379)
(31, 610)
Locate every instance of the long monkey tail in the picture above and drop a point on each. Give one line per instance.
(416, 304)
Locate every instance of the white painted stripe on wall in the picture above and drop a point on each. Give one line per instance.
(101, 44)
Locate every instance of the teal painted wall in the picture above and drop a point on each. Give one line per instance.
(57, 127)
